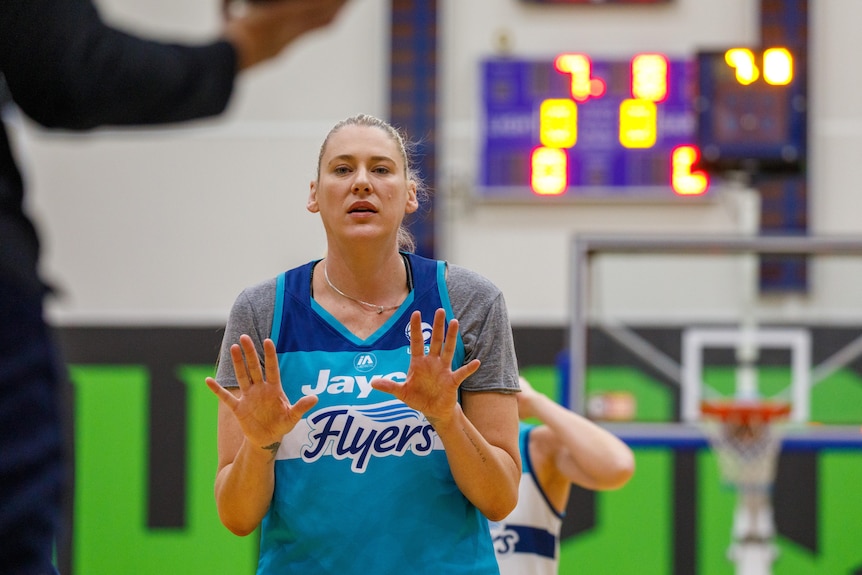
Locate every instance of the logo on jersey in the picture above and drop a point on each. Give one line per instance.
(360, 433)
(349, 384)
(426, 334)
(510, 539)
(504, 539)
(365, 362)
(426, 331)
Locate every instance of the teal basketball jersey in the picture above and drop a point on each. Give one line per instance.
(362, 484)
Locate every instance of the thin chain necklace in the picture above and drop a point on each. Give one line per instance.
(378, 308)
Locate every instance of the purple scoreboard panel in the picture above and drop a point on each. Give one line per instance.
(573, 127)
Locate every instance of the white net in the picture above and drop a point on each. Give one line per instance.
(747, 451)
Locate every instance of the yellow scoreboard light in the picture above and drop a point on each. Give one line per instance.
(751, 112)
(576, 127)
(650, 77)
(778, 66)
(580, 69)
(638, 123)
(549, 171)
(742, 61)
(558, 123)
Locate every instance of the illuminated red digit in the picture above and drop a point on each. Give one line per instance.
(684, 181)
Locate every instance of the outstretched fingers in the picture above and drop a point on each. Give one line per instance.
(270, 358)
(248, 369)
(240, 368)
(438, 333)
(450, 344)
(451, 341)
(252, 360)
(301, 407)
(465, 371)
(443, 340)
(224, 395)
(417, 340)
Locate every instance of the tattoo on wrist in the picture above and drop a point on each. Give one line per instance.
(272, 448)
(476, 446)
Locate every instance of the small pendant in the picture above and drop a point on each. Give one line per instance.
(379, 309)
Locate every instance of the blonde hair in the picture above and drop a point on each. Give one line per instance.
(406, 241)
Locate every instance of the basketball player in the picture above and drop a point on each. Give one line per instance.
(381, 428)
(563, 449)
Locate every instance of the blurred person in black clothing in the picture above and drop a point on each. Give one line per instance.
(66, 69)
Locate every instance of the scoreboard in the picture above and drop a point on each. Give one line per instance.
(644, 127)
(576, 127)
(752, 109)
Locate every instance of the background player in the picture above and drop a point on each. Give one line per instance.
(563, 449)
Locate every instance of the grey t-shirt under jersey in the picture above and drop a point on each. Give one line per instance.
(477, 303)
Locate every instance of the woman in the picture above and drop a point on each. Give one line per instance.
(379, 429)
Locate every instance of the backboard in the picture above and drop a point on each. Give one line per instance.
(674, 320)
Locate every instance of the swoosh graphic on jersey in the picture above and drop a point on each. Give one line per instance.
(390, 411)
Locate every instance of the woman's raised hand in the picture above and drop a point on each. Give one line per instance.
(431, 386)
(261, 408)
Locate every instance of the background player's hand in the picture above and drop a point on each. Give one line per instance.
(261, 408)
(431, 386)
(261, 29)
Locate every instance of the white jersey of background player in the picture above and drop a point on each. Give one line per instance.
(564, 448)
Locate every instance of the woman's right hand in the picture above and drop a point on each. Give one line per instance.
(261, 408)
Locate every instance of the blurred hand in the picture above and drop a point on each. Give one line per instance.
(260, 30)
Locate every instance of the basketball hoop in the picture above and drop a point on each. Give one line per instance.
(745, 438)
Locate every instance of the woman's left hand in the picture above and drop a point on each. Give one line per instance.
(431, 386)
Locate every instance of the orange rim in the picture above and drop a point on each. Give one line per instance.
(742, 411)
